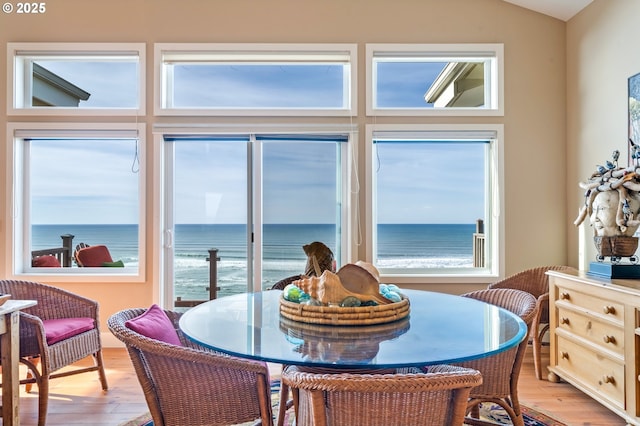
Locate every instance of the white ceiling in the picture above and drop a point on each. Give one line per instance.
(561, 9)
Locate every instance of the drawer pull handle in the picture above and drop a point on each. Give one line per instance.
(608, 379)
(609, 339)
(609, 310)
(565, 296)
(564, 355)
(564, 320)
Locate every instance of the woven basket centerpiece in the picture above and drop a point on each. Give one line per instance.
(350, 297)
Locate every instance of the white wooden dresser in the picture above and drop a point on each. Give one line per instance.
(595, 338)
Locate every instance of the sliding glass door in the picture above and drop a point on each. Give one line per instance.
(206, 208)
(256, 199)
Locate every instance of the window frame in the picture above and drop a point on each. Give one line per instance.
(19, 58)
(299, 52)
(17, 199)
(495, 90)
(495, 205)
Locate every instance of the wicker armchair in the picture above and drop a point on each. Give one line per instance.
(280, 285)
(55, 307)
(438, 397)
(536, 282)
(500, 372)
(191, 384)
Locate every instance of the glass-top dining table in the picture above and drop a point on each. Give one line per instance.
(440, 329)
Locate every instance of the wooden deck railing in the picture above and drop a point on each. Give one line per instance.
(478, 245)
(213, 288)
(64, 254)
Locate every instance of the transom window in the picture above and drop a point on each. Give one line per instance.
(242, 79)
(76, 79)
(447, 79)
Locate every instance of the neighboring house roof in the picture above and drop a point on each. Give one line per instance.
(459, 84)
(50, 89)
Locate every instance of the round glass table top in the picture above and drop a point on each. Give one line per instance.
(440, 329)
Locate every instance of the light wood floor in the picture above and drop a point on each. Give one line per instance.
(78, 400)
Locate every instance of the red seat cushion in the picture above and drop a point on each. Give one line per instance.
(155, 324)
(93, 256)
(46, 261)
(60, 329)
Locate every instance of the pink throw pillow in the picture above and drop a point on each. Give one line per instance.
(155, 324)
(46, 261)
(60, 329)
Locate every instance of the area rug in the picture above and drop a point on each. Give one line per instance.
(145, 419)
(490, 412)
(532, 417)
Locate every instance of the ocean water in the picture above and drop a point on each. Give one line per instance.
(400, 245)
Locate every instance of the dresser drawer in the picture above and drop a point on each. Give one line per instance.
(603, 375)
(603, 334)
(611, 310)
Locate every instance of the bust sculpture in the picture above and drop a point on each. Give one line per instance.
(612, 203)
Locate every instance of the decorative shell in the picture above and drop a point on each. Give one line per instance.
(319, 259)
(369, 268)
(329, 288)
(357, 279)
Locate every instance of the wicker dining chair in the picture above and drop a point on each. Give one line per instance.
(280, 285)
(59, 330)
(436, 397)
(191, 384)
(536, 282)
(500, 372)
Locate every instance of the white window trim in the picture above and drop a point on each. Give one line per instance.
(471, 50)
(196, 50)
(498, 229)
(16, 84)
(14, 200)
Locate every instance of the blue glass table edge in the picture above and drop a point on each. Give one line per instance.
(514, 341)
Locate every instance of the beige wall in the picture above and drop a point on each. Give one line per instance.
(535, 67)
(602, 54)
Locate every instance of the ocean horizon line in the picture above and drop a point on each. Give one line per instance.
(410, 246)
(269, 223)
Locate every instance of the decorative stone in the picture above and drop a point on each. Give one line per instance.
(351, 301)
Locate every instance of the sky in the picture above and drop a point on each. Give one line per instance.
(97, 181)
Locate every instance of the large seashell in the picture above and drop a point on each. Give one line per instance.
(357, 279)
(369, 268)
(319, 259)
(328, 289)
